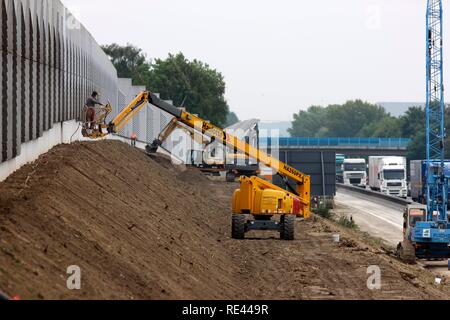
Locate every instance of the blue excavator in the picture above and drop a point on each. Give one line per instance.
(426, 227)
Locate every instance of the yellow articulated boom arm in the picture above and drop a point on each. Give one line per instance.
(128, 113)
(119, 121)
(256, 197)
(302, 191)
(176, 124)
(301, 194)
(284, 202)
(167, 131)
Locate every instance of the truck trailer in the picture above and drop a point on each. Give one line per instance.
(418, 176)
(388, 175)
(354, 172)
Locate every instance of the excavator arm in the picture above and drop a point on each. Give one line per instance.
(167, 131)
(256, 197)
(218, 134)
(250, 198)
(128, 112)
(206, 128)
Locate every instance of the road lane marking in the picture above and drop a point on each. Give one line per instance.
(396, 225)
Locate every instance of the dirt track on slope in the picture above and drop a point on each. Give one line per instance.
(140, 228)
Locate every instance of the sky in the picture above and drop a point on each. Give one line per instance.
(278, 57)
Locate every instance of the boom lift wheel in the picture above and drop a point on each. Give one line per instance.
(287, 227)
(406, 251)
(238, 226)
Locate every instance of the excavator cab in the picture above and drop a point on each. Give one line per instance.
(424, 237)
(413, 213)
(94, 129)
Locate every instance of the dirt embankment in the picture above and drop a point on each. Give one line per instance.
(140, 228)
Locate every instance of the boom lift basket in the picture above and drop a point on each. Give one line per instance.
(93, 129)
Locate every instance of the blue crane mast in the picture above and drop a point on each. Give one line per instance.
(426, 229)
(436, 183)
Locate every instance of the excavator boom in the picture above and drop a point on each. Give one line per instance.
(208, 129)
(256, 196)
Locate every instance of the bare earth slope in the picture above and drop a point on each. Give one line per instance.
(134, 228)
(140, 228)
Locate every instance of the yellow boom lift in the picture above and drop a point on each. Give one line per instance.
(257, 201)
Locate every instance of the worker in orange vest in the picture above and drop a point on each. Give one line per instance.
(133, 139)
(91, 102)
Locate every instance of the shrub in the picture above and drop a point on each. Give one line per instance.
(347, 222)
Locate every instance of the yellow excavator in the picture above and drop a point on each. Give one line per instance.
(257, 201)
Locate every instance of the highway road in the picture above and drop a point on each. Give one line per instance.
(380, 218)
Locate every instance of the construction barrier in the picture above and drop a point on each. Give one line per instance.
(375, 194)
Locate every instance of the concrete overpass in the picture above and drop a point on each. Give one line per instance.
(347, 146)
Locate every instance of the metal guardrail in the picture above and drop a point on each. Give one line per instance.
(375, 194)
(399, 143)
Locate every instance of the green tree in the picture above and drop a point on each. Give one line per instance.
(191, 84)
(412, 121)
(362, 119)
(232, 118)
(352, 119)
(349, 119)
(130, 62)
(387, 127)
(412, 125)
(416, 148)
(309, 123)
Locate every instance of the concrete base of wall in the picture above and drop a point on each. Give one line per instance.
(63, 132)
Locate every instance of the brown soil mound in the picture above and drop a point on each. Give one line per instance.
(133, 227)
(140, 228)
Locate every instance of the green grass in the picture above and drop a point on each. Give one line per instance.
(347, 222)
(324, 213)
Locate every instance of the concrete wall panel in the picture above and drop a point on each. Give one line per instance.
(3, 20)
(49, 64)
(33, 74)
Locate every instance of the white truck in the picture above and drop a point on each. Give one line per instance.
(388, 175)
(354, 172)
